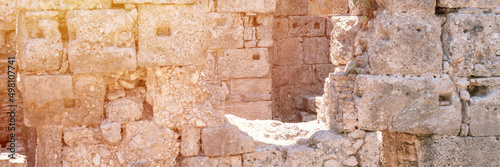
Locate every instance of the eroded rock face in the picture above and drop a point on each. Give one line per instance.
(226, 140)
(418, 105)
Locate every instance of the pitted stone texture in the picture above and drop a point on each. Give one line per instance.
(316, 50)
(310, 26)
(371, 151)
(250, 110)
(408, 7)
(255, 6)
(468, 3)
(150, 144)
(289, 52)
(40, 43)
(86, 155)
(460, 151)
(472, 44)
(180, 98)
(81, 135)
(226, 140)
(190, 145)
(111, 132)
(45, 98)
(244, 63)
(291, 7)
(101, 40)
(322, 7)
(226, 30)
(342, 36)
(165, 41)
(407, 104)
(167, 2)
(267, 156)
(8, 11)
(485, 113)
(405, 45)
(124, 110)
(63, 4)
(88, 109)
(232, 161)
(300, 155)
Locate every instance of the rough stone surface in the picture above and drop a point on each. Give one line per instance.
(369, 153)
(49, 143)
(316, 50)
(7, 8)
(256, 6)
(407, 7)
(468, 3)
(165, 41)
(343, 34)
(291, 7)
(460, 151)
(250, 110)
(190, 145)
(303, 156)
(124, 110)
(470, 42)
(309, 26)
(226, 30)
(321, 7)
(251, 86)
(74, 136)
(226, 140)
(101, 40)
(267, 156)
(111, 132)
(63, 5)
(244, 63)
(405, 45)
(485, 113)
(407, 104)
(289, 52)
(169, 2)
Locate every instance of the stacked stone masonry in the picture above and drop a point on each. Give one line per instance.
(217, 82)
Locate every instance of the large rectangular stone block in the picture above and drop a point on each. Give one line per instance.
(244, 63)
(40, 43)
(250, 110)
(310, 26)
(8, 13)
(63, 4)
(49, 146)
(416, 105)
(289, 52)
(166, 41)
(459, 151)
(245, 6)
(408, 7)
(88, 106)
(292, 7)
(226, 30)
(324, 7)
(226, 140)
(260, 85)
(405, 45)
(485, 112)
(468, 3)
(471, 43)
(101, 40)
(167, 2)
(316, 50)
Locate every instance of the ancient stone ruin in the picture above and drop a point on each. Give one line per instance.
(215, 83)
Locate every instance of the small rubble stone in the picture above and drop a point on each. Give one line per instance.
(357, 134)
(124, 110)
(111, 132)
(351, 161)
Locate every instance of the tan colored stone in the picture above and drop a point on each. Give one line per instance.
(370, 153)
(309, 26)
(198, 161)
(226, 140)
(80, 135)
(111, 132)
(64, 4)
(165, 41)
(190, 144)
(107, 37)
(7, 10)
(244, 63)
(407, 104)
(226, 29)
(250, 110)
(167, 2)
(485, 113)
(269, 156)
(280, 28)
(324, 7)
(40, 43)
(291, 7)
(262, 85)
(289, 52)
(343, 34)
(124, 110)
(303, 156)
(468, 3)
(256, 6)
(49, 146)
(88, 107)
(408, 7)
(316, 50)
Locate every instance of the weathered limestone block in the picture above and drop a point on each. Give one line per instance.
(313, 103)
(268, 156)
(232, 161)
(460, 151)
(88, 107)
(324, 7)
(190, 145)
(468, 3)
(8, 13)
(261, 110)
(408, 7)
(485, 113)
(255, 6)
(311, 26)
(101, 40)
(46, 98)
(316, 50)
(180, 99)
(264, 30)
(111, 132)
(124, 110)
(167, 2)
(150, 144)
(80, 135)
(63, 4)
(226, 140)
(280, 28)
(226, 30)
(259, 85)
(415, 105)
(342, 36)
(199, 161)
(49, 146)
(303, 156)
(244, 63)
(165, 41)
(289, 52)
(369, 154)
(405, 45)
(292, 7)
(40, 43)
(472, 44)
